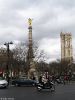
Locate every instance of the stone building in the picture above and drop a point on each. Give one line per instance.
(66, 47)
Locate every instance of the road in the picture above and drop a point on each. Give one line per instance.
(62, 92)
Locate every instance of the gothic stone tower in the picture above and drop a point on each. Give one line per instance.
(32, 71)
(66, 47)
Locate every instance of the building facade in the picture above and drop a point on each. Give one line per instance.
(66, 47)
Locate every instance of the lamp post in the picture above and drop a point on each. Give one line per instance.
(7, 65)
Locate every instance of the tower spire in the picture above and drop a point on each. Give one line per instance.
(30, 56)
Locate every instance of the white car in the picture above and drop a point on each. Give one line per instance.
(3, 83)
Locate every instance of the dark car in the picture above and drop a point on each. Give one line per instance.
(24, 82)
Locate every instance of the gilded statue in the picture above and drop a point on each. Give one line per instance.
(30, 21)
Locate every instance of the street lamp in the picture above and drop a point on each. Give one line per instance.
(7, 65)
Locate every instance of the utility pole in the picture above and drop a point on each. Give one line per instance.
(7, 64)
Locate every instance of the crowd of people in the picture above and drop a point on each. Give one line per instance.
(46, 78)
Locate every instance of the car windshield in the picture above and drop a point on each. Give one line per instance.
(21, 79)
(1, 78)
(24, 79)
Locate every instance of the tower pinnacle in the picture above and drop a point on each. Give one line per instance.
(30, 22)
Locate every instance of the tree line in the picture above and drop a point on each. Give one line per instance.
(18, 61)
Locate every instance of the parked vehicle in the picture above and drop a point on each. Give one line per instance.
(50, 86)
(3, 83)
(24, 82)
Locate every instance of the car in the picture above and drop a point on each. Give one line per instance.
(24, 82)
(3, 83)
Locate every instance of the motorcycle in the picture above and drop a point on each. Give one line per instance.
(50, 86)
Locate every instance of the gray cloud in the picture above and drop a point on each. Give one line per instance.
(49, 19)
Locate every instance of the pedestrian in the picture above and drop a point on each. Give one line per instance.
(33, 78)
(40, 79)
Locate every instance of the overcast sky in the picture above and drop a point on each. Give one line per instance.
(50, 17)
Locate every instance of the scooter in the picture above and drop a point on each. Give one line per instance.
(50, 86)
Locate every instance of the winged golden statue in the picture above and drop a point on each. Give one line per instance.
(30, 21)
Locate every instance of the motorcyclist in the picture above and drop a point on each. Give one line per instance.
(45, 83)
(44, 80)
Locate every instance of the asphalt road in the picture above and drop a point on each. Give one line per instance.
(62, 92)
